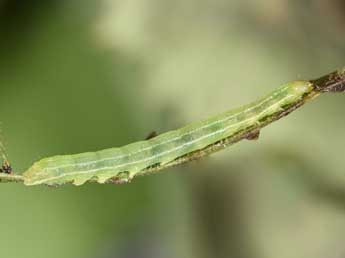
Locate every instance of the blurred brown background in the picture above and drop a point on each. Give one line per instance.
(80, 76)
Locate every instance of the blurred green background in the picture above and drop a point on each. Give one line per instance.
(80, 76)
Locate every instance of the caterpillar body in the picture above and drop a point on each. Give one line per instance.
(122, 164)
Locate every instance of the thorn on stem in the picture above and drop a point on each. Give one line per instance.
(151, 135)
(6, 167)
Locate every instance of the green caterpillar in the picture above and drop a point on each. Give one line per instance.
(177, 146)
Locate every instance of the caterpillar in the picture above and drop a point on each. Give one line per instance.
(120, 165)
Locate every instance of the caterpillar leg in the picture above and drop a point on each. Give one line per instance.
(122, 178)
(253, 135)
(118, 181)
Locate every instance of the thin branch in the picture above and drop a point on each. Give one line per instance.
(11, 178)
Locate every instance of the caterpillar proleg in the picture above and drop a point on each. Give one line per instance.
(178, 146)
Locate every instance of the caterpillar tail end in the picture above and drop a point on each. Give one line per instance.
(333, 82)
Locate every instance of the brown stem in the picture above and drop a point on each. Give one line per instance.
(333, 82)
